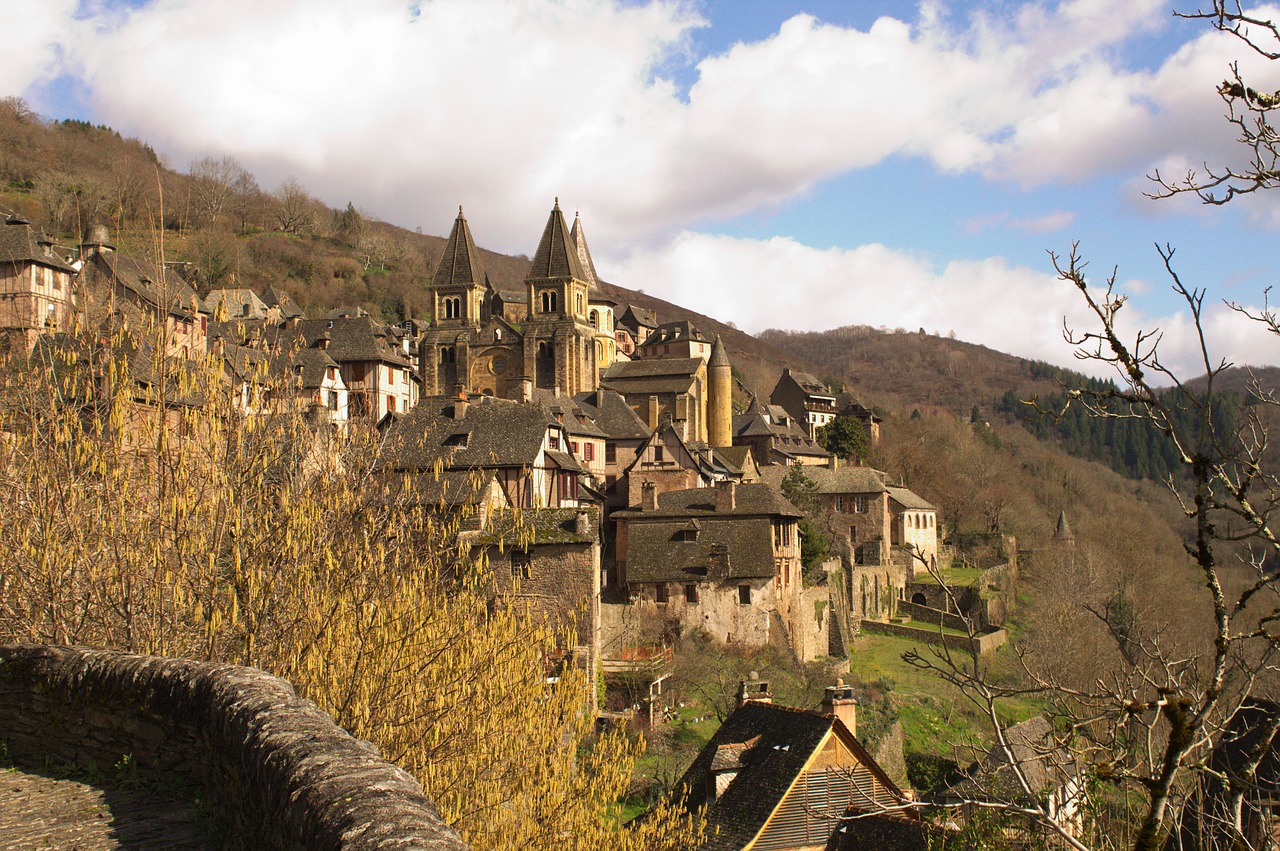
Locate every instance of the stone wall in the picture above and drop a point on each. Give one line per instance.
(981, 644)
(928, 614)
(276, 771)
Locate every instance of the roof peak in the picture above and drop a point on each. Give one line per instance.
(557, 254)
(460, 263)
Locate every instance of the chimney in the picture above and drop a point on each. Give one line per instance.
(525, 389)
(582, 525)
(461, 403)
(752, 690)
(726, 496)
(648, 497)
(653, 413)
(838, 700)
(833, 462)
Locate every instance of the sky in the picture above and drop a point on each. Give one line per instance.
(775, 164)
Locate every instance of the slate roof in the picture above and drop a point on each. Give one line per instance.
(909, 499)
(679, 331)
(725, 550)
(557, 254)
(460, 264)
(1044, 763)
(155, 285)
(860, 480)
(719, 357)
(750, 499)
(20, 242)
(809, 383)
(639, 317)
(310, 366)
(353, 338)
(588, 265)
(235, 301)
(575, 417)
(545, 525)
(278, 298)
(611, 412)
(782, 740)
(492, 433)
(789, 440)
(652, 368)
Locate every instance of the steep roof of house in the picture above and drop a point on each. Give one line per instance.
(1044, 762)
(588, 265)
(808, 382)
(157, 285)
(614, 416)
(310, 366)
(678, 331)
(726, 549)
(842, 480)
(557, 255)
(19, 241)
(753, 499)
(652, 368)
(540, 526)
(490, 433)
(576, 418)
(909, 499)
(781, 742)
(638, 316)
(352, 338)
(460, 264)
(235, 301)
(278, 298)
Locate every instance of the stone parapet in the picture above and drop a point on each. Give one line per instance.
(276, 771)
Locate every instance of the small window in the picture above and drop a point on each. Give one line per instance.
(553, 441)
(521, 565)
(691, 593)
(611, 453)
(573, 446)
(860, 504)
(839, 502)
(391, 404)
(660, 592)
(744, 595)
(658, 454)
(589, 451)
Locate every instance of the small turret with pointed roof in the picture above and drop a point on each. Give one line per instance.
(719, 397)
(579, 237)
(1062, 532)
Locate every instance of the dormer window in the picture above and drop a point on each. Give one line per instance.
(460, 440)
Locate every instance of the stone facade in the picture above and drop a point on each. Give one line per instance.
(276, 771)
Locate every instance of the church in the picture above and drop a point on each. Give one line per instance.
(561, 342)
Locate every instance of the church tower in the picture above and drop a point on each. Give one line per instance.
(460, 305)
(559, 341)
(719, 397)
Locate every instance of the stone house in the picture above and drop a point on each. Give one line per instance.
(668, 390)
(379, 379)
(470, 342)
(624, 434)
(724, 561)
(633, 325)
(668, 462)
(849, 406)
(35, 282)
(524, 447)
(914, 528)
(547, 560)
(280, 305)
(678, 339)
(234, 304)
(782, 778)
(154, 295)
(775, 438)
(806, 399)
(587, 440)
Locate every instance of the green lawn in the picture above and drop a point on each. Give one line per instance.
(935, 716)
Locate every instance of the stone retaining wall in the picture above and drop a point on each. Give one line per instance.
(981, 644)
(275, 769)
(928, 614)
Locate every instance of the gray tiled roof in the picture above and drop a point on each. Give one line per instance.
(460, 264)
(856, 480)
(21, 242)
(579, 237)
(783, 740)
(653, 554)
(158, 286)
(557, 255)
(235, 301)
(354, 338)
(653, 368)
(492, 433)
(278, 298)
(909, 499)
(534, 526)
(751, 499)
(679, 331)
(614, 416)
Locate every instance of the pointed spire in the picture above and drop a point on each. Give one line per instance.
(460, 264)
(579, 237)
(719, 357)
(557, 256)
(1063, 531)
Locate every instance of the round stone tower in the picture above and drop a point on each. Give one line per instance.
(719, 397)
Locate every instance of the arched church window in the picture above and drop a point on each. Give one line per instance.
(451, 307)
(595, 319)
(544, 351)
(549, 301)
(448, 354)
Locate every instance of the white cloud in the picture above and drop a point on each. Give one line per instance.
(33, 33)
(502, 104)
(780, 283)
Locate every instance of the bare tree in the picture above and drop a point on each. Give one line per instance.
(1249, 110)
(216, 184)
(293, 209)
